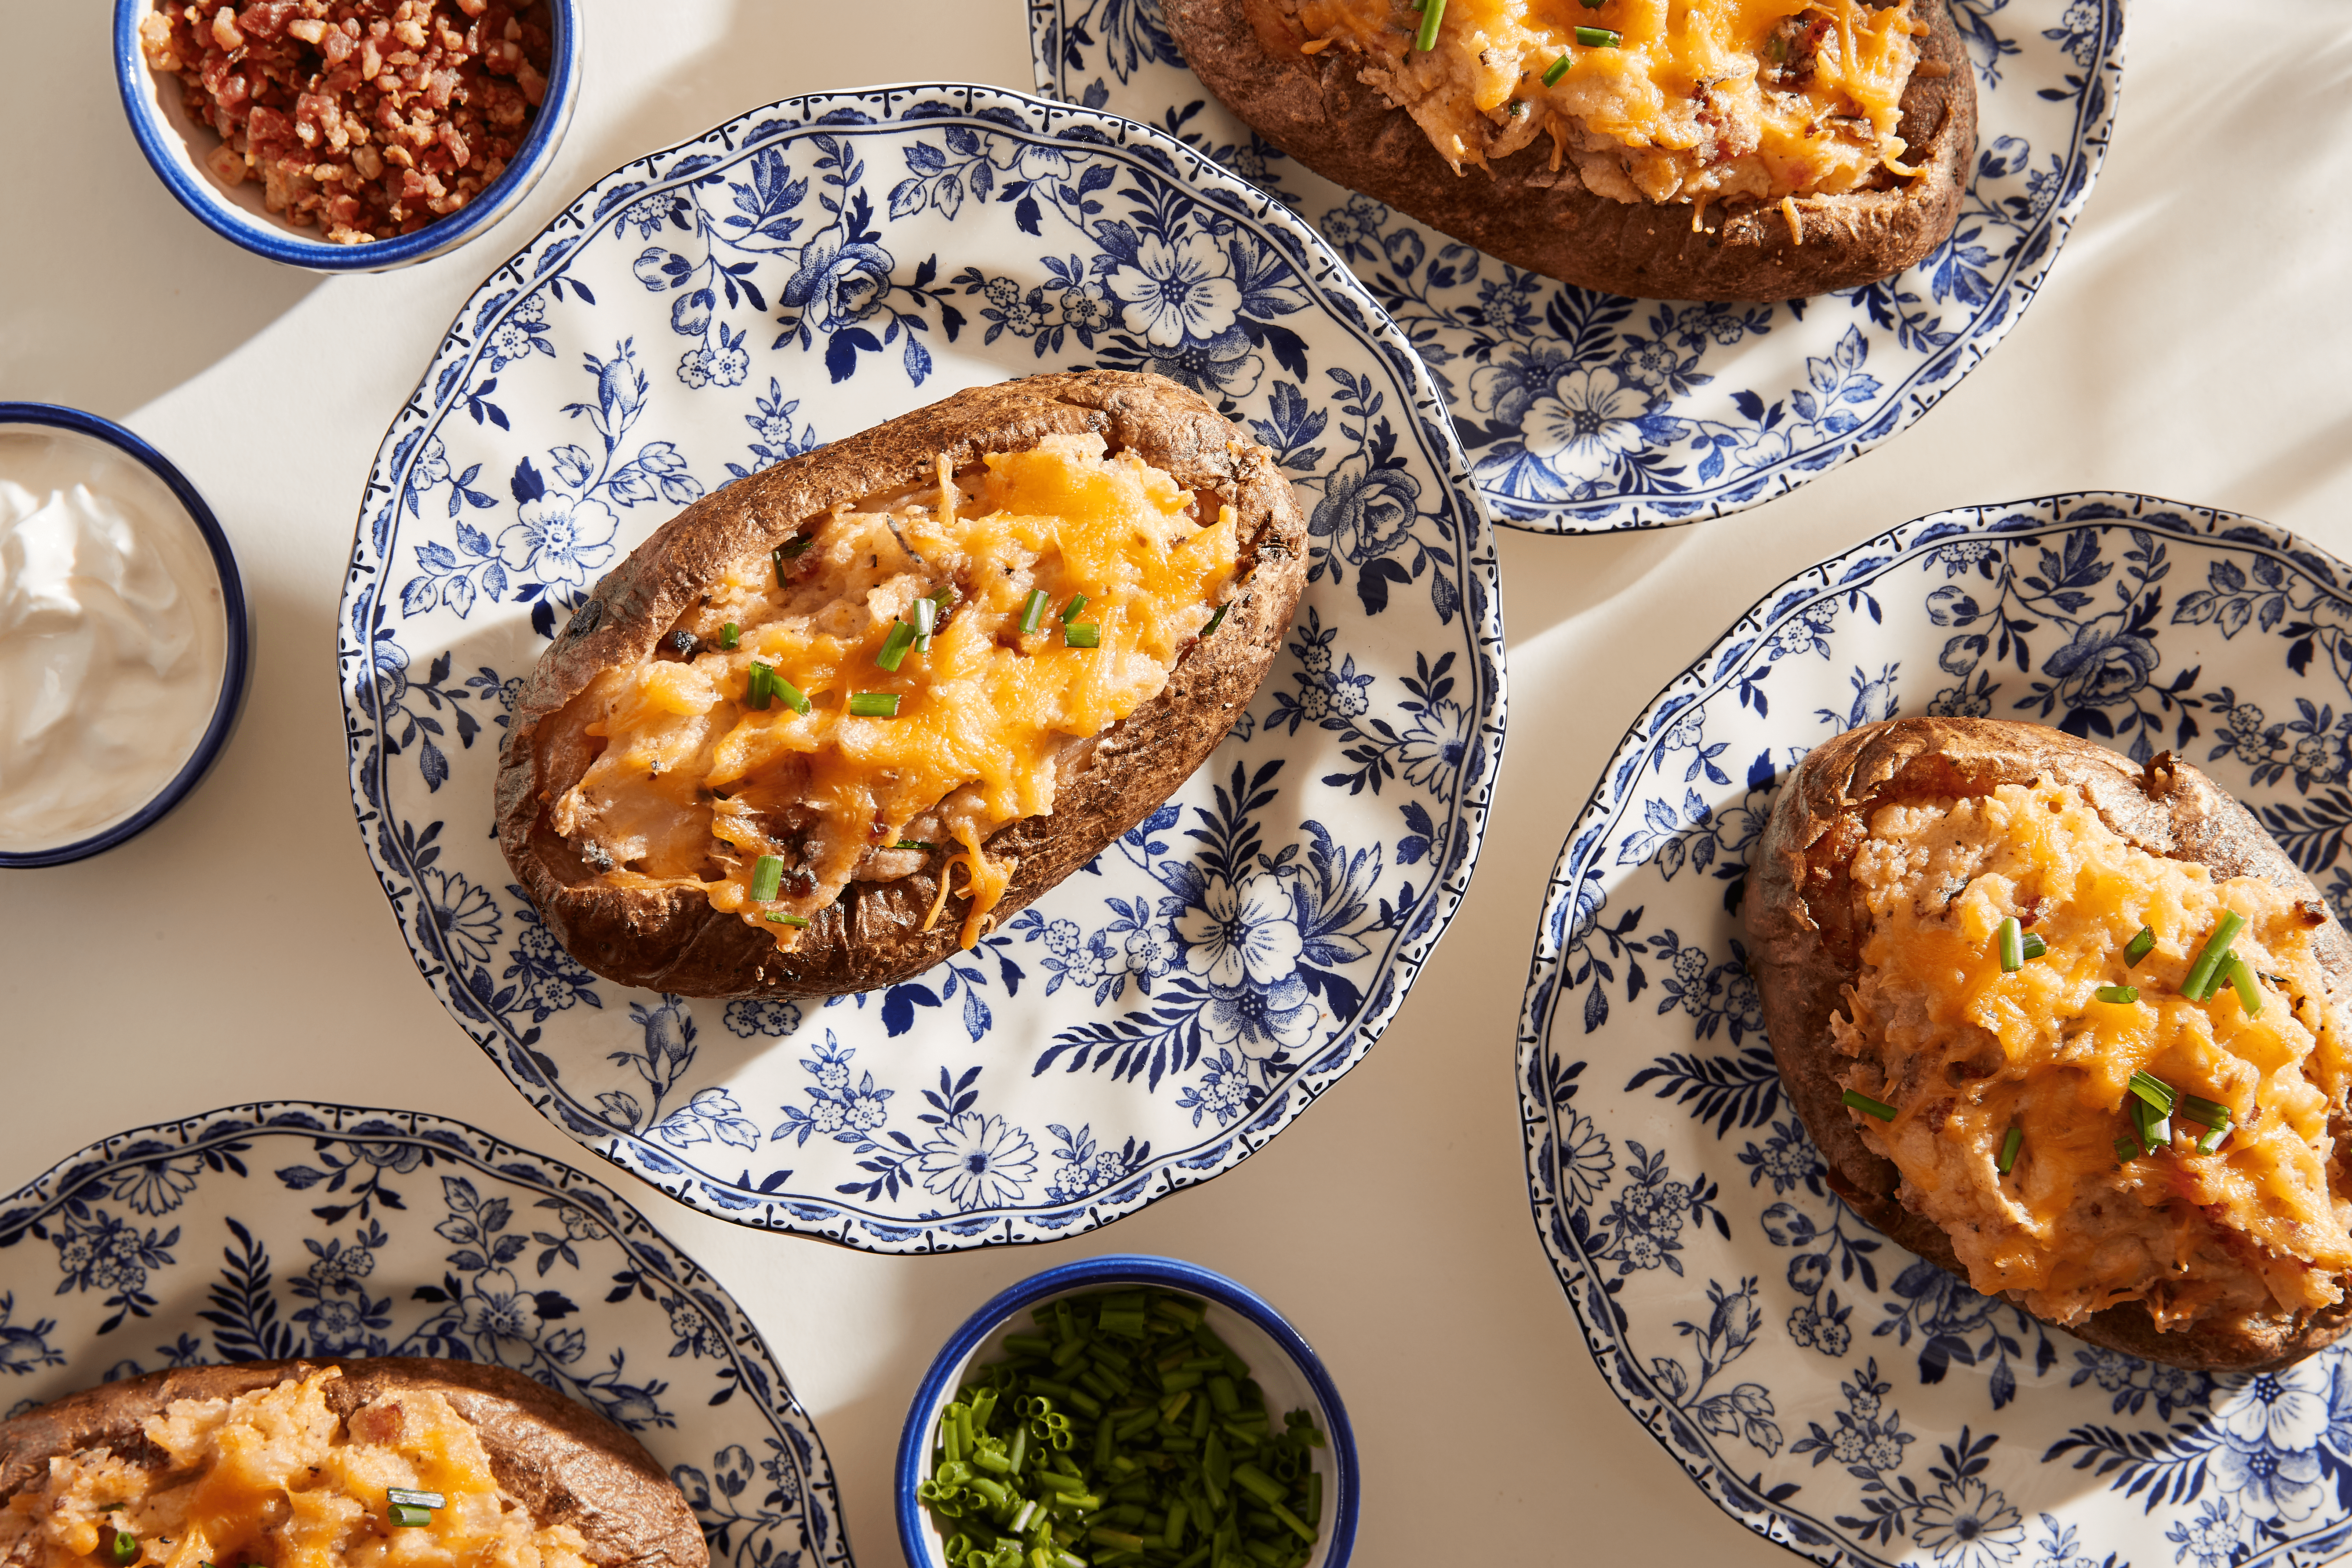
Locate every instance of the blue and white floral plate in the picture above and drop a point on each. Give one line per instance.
(801, 273)
(1584, 411)
(282, 1229)
(1826, 1389)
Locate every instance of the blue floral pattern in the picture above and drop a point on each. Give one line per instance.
(1585, 410)
(286, 1229)
(796, 274)
(2144, 625)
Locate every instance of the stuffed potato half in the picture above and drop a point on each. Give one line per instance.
(1978, 947)
(305, 1464)
(1733, 150)
(843, 716)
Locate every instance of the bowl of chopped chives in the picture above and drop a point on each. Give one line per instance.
(1127, 1411)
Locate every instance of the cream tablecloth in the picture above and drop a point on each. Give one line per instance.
(2192, 341)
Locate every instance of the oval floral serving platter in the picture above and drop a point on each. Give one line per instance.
(1827, 1389)
(801, 273)
(1583, 411)
(282, 1229)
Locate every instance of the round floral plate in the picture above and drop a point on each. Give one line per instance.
(283, 1229)
(1582, 411)
(1827, 1389)
(801, 273)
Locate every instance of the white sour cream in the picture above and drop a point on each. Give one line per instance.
(114, 637)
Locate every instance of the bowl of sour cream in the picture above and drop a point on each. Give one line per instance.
(124, 638)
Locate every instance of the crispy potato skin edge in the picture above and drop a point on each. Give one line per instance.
(1314, 108)
(673, 940)
(567, 1464)
(1803, 940)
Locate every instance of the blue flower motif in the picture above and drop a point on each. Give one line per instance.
(1178, 290)
(840, 280)
(978, 1162)
(560, 538)
(2103, 663)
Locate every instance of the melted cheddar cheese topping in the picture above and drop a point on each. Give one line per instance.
(1966, 1051)
(695, 785)
(274, 1477)
(1739, 101)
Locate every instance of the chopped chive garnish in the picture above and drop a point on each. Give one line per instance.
(757, 693)
(1559, 69)
(2154, 1126)
(796, 545)
(1033, 611)
(2121, 995)
(1091, 1444)
(914, 844)
(926, 616)
(1086, 633)
(2204, 973)
(1600, 38)
(408, 1516)
(730, 634)
(2249, 996)
(2009, 1148)
(792, 696)
(2126, 1150)
(2154, 1090)
(1078, 603)
(2033, 946)
(2212, 1139)
(781, 919)
(1426, 39)
(1216, 621)
(767, 879)
(123, 1550)
(2139, 947)
(414, 1498)
(874, 704)
(895, 646)
(2202, 1112)
(2010, 937)
(1867, 1106)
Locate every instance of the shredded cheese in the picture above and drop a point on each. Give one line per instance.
(1745, 100)
(694, 783)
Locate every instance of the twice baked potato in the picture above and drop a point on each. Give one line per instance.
(842, 716)
(1716, 150)
(2072, 1028)
(305, 1464)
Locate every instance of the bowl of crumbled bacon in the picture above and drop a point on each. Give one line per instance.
(348, 135)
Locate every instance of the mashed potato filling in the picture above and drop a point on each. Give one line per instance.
(694, 783)
(275, 1477)
(1745, 100)
(1965, 1052)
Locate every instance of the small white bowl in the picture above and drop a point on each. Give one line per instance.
(1281, 1363)
(175, 144)
(236, 666)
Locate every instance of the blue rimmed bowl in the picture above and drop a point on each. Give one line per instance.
(175, 143)
(1281, 1363)
(236, 664)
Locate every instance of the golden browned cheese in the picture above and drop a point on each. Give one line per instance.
(695, 785)
(1747, 100)
(1965, 1052)
(275, 1477)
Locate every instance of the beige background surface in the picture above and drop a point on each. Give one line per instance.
(2192, 341)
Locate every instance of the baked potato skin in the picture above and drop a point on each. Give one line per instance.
(1805, 937)
(565, 1463)
(1314, 108)
(675, 941)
